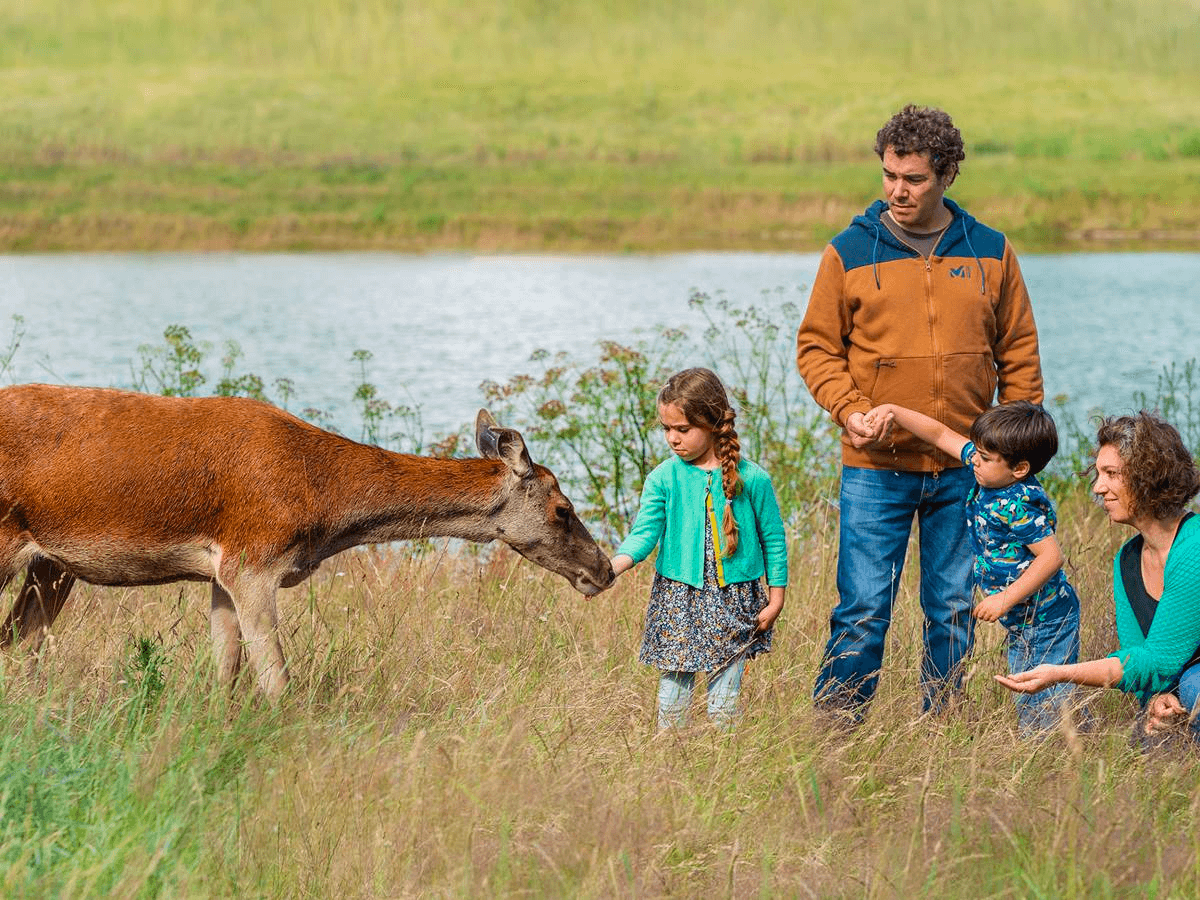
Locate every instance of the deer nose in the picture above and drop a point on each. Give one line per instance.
(588, 583)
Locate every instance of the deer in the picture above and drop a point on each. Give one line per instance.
(119, 488)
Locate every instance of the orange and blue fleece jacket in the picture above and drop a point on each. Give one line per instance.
(938, 335)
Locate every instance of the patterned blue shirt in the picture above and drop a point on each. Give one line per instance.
(1003, 522)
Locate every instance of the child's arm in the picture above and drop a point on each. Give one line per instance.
(622, 562)
(931, 431)
(1047, 559)
(648, 526)
(769, 613)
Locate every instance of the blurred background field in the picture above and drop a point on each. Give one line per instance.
(553, 126)
(462, 724)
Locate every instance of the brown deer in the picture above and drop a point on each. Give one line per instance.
(120, 488)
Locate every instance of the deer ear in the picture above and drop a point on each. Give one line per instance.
(504, 444)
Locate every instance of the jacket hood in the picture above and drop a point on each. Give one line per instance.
(955, 242)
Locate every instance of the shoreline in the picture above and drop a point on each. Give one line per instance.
(121, 234)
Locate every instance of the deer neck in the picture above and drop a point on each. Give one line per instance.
(388, 496)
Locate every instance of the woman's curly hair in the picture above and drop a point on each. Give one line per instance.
(701, 398)
(920, 129)
(1158, 470)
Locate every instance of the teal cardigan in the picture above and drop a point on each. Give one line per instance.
(674, 511)
(1153, 663)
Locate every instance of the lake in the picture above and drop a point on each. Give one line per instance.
(439, 325)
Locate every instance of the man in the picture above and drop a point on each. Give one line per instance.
(915, 303)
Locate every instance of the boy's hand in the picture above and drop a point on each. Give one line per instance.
(879, 420)
(864, 430)
(992, 607)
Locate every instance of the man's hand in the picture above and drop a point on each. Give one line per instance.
(864, 430)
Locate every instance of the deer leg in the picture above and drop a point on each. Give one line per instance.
(38, 604)
(254, 599)
(226, 634)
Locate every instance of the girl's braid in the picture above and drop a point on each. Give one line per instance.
(729, 453)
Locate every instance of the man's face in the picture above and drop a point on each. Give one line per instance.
(913, 192)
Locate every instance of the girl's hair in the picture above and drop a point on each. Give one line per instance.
(701, 398)
(1019, 431)
(1159, 472)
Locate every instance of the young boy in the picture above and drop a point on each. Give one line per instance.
(1018, 563)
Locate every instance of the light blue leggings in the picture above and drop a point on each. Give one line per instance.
(675, 695)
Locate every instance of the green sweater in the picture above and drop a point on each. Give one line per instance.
(674, 512)
(1153, 663)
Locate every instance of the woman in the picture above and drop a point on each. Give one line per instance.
(1145, 476)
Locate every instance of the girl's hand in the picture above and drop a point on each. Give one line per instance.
(1036, 679)
(768, 614)
(621, 563)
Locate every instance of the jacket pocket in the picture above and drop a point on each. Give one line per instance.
(970, 384)
(905, 381)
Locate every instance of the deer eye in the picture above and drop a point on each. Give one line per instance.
(563, 513)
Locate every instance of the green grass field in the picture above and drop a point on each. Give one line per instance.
(540, 126)
(469, 726)
(463, 724)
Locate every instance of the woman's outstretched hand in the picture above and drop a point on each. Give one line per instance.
(1036, 679)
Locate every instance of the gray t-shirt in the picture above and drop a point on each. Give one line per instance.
(922, 243)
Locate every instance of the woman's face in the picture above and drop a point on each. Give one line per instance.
(1110, 487)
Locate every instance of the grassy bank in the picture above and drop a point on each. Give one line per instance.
(520, 126)
(471, 727)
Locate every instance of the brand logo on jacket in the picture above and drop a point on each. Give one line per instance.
(960, 272)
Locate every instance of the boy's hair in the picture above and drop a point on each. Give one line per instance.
(923, 129)
(1157, 467)
(701, 398)
(1020, 432)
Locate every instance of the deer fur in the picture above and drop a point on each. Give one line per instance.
(120, 488)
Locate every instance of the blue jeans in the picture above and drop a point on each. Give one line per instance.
(1188, 692)
(675, 695)
(877, 509)
(1056, 643)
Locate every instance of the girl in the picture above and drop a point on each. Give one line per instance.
(715, 521)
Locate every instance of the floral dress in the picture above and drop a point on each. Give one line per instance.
(703, 629)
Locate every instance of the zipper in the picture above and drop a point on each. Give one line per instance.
(929, 317)
(933, 331)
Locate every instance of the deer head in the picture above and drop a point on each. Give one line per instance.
(536, 519)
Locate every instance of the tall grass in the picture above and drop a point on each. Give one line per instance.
(467, 726)
(460, 723)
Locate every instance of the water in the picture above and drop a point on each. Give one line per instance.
(439, 325)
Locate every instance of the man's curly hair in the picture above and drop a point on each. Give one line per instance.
(1159, 471)
(920, 129)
